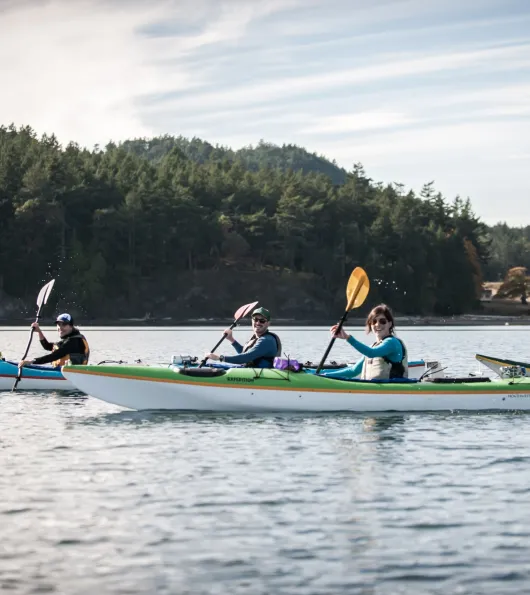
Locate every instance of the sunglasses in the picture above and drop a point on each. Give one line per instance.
(379, 320)
(262, 320)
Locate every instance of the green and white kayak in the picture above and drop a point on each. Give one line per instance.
(271, 390)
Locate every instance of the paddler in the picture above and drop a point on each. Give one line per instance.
(260, 350)
(385, 359)
(72, 346)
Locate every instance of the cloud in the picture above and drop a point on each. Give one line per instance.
(85, 66)
(80, 70)
(414, 90)
(386, 69)
(367, 120)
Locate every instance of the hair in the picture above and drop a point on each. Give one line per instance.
(380, 310)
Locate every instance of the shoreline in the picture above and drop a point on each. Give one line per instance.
(463, 320)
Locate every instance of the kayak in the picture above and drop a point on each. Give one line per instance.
(507, 368)
(270, 390)
(47, 378)
(33, 377)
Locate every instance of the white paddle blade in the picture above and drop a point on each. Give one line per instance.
(44, 293)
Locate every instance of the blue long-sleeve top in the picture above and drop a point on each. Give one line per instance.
(265, 346)
(390, 348)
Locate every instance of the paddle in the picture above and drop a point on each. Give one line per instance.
(42, 298)
(241, 313)
(356, 292)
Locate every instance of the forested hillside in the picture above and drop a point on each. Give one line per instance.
(183, 229)
(264, 155)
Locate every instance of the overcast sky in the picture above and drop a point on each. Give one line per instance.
(414, 90)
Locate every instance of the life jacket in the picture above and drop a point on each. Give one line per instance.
(77, 359)
(381, 368)
(270, 360)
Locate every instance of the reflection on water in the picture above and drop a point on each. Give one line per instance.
(378, 425)
(97, 499)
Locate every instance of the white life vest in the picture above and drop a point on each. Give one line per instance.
(381, 368)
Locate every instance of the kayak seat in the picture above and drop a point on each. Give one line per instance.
(203, 372)
(465, 380)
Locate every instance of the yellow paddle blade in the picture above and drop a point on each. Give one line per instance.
(358, 288)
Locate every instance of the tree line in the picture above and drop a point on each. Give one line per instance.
(142, 225)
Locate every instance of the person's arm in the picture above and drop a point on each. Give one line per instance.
(45, 343)
(230, 337)
(68, 348)
(237, 346)
(348, 372)
(264, 347)
(390, 348)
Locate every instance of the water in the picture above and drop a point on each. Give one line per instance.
(95, 499)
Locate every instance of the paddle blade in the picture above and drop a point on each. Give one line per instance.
(244, 310)
(44, 293)
(357, 289)
(240, 313)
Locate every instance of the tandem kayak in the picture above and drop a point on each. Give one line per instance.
(48, 378)
(271, 390)
(33, 377)
(504, 367)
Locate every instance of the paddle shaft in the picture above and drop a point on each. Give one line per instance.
(339, 327)
(233, 325)
(19, 375)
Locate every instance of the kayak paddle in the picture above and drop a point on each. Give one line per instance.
(356, 292)
(240, 313)
(42, 298)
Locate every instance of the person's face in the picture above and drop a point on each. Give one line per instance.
(259, 324)
(381, 326)
(63, 328)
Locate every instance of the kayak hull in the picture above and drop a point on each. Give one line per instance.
(253, 390)
(33, 378)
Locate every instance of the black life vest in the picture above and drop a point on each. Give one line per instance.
(77, 359)
(397, 369)
(270, 360)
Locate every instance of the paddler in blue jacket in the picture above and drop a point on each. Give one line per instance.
(260, 350)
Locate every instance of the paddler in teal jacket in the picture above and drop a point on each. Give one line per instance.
(385, 359)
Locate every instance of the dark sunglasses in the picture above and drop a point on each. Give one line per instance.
(262, 320)
(379, 320)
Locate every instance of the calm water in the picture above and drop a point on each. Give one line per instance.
(94, 499)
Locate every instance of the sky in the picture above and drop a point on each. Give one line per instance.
(415, 90)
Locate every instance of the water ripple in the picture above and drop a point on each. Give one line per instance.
(96, 499)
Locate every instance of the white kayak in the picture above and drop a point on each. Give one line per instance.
(271, 390)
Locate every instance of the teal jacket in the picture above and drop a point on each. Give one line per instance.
(390, 348)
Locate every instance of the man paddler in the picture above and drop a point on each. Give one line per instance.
(260, 350)
(72, 346)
